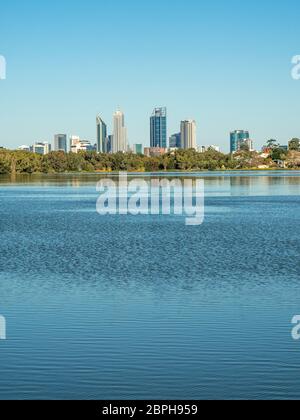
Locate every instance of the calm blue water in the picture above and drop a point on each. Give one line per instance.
(124, 307)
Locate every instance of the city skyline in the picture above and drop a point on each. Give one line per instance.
(185, 139)
(118, 142)
(57, 79)
(159, 138)
(103, 142)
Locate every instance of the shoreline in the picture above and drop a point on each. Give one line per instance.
(9, 175)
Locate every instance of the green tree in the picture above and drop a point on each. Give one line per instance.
(294, 145)
(279, 154)
(272, 144)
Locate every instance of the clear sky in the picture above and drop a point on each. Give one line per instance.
(226, 64)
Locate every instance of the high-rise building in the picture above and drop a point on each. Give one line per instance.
(158, 128)
(119, 140)
(175, 141)
(60, 143)
(109, 143)
(101, 135)
(238, 137)
(188, 134)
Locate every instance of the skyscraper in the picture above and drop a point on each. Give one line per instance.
(188, 134)
(101, 135)
(119, 139)
(60, 143)
(175, 141)
(158, 128)
(108, 144)
(238, 137)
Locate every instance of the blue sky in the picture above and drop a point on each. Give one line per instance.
(226, 64)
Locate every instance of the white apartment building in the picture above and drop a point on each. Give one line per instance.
(188, 134)
(119, 143)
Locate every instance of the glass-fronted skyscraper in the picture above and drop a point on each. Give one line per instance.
(238, 137)
(60, 143)
(158, 128)
(175, 141)
(109, 143)
(101, 135)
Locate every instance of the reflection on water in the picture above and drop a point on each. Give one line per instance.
(244, 182)
(145, 307)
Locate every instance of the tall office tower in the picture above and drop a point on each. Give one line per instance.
(60, 143)
(119, 140)
(175, 141)
(188, 134)
(238, 137)
(101, 135)
(109, 144)
(158, 128)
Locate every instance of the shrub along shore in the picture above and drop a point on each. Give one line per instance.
(20, 162)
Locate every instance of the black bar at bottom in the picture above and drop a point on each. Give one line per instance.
(104, 409)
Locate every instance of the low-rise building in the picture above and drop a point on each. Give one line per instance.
(155, 151)
(41, 148)
(77, 145)
(24, 148)
(138, 149)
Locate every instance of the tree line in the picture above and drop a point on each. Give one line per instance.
(21, 162)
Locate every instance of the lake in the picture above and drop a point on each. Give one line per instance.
(145, 307)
